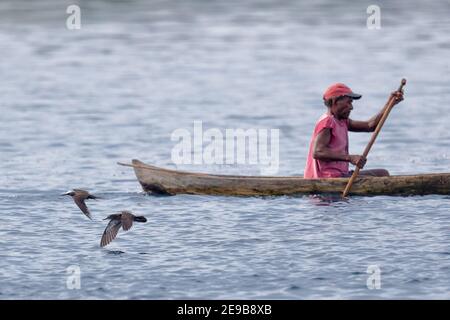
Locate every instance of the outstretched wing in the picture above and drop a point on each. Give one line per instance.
(127, 220)
(79, 201)
(110, 232)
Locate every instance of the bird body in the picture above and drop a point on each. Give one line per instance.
(79, 196)
(124, 220)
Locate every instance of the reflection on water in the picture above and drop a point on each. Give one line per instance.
(115, 252)
(327, 199)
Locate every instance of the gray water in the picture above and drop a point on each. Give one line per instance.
(75, 102)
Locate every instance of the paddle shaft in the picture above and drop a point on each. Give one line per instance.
(389, 105)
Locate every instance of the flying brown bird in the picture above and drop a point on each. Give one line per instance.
(123, 219)
(79, 196)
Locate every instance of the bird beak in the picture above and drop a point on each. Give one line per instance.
(65, 194)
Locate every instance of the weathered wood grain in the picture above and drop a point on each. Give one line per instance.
(170, 182)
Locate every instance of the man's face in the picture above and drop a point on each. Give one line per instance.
(342, 108)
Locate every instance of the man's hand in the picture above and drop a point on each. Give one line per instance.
(357, 160)
(397, 96)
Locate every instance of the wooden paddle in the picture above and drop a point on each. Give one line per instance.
(389, 105)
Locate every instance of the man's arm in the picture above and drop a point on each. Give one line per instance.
(321, 150)
(366, 126)
(371, 124)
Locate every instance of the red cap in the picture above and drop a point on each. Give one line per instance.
(338, 90)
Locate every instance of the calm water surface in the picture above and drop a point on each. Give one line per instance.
(76, 102)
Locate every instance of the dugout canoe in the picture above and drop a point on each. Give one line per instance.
(170, 182)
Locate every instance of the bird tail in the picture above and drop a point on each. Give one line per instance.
(140, 219)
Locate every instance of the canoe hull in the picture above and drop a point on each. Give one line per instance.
(163, 181)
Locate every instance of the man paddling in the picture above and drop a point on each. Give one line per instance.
(328, 155)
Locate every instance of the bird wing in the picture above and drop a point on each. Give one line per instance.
(79, 200)
(110, 232)
(127, 220)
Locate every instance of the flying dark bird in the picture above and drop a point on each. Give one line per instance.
(123, 219)
(79, 196)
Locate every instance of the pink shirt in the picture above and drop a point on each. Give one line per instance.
(338, 143)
